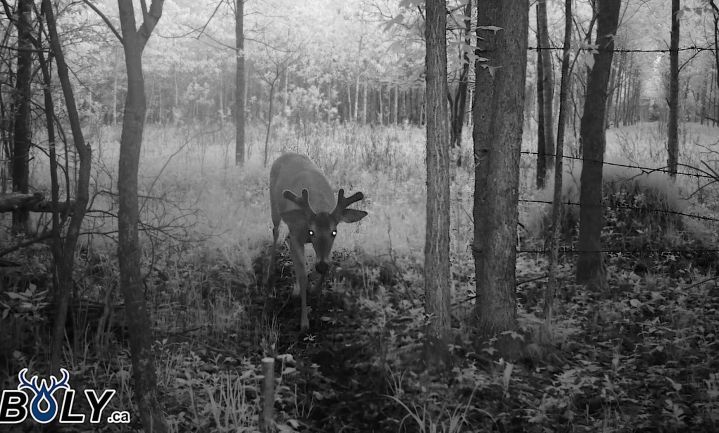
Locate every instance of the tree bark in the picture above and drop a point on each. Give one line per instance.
(673, 124)
(436, 249)
(129, 250)
(565, 82)
(269, 120)
(459, 107)
(541, 136)
(240, 82)
(547, 83)
(498, 122)
(590, 266)
(23, 101)
(65, 255)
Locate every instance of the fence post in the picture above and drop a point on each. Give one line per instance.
(268, 395)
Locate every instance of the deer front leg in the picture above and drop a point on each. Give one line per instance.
(297, 250)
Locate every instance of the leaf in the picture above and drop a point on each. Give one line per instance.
(494, 29)
(508, 367)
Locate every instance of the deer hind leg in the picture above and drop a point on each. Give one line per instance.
(270, 277)
(297, 249)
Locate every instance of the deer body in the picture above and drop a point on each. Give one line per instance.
(301, 196)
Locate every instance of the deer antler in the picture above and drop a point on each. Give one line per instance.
(343, 202)
(303, 202)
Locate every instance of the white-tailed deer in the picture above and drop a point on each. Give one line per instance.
(301, 196)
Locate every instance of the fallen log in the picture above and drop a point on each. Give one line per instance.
(15, 200)
(31, 202)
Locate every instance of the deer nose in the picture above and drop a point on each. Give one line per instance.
(322, 267)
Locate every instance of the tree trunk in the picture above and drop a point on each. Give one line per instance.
(565, 82)
(381, 111)
(66, 263)
(138, 318)
(590, 267)
(436, 249)
(364, 104)
(240, 85)
(459, 108)
(396, 104)
(498, 122)
(541, 136)
(269, 121)
(673, 124)
(23, 101)
(548, 82)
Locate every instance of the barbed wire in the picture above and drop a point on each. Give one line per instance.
(637, 208)
(644, 170)
(642, 251)
(627, 50)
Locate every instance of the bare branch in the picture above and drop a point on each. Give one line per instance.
(106, 19)
(40, 238)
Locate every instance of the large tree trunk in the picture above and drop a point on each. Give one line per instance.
(240, 82)
(590, 267)
(545, 55)
(673, 124)
(436, 248)
(138, 318)
(498, 122)
(65, 262)
(23, 95)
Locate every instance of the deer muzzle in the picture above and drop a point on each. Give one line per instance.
(322, 267)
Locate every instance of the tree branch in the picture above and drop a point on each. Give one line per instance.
(150, 19)
(106, 19)
(41, 237)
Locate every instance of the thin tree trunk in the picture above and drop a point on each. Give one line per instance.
(381, 113)
(364, 105)
(349, 102)
(704, 98)
(590, 266)
(57, 247)
(269, 122)
(286, 96)
(673, 125)
(138, 318)
(357, 98)
(565, 83)
(240, 82)
(115, 86)
(541, 136)
(23, 100)
(436, 249)
(459, 108)
(83, 151)
(548, 82)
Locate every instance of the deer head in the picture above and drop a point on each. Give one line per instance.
(320, 228)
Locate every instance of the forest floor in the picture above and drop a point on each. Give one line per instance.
(644, 358)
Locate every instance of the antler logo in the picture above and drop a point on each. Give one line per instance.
(43, 393)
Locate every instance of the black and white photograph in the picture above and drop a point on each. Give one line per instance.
(322, 216)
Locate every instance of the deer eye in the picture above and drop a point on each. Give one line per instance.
(334, 233)
(311, 232)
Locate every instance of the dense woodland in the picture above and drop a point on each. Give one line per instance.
(528, 238)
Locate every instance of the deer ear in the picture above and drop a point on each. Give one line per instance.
(352, 215)
(295, 217)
